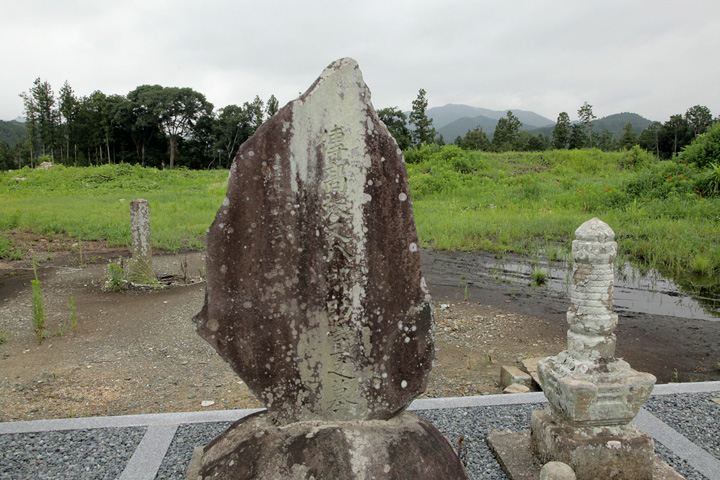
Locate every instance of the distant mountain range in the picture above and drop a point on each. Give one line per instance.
(11, 131)
(452, 121)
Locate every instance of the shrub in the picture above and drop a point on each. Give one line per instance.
(704, 149)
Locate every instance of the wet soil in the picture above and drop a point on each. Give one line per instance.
(136, 351)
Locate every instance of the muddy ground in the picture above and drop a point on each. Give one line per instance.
(136, 351)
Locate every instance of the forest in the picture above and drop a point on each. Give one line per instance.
(167, 127)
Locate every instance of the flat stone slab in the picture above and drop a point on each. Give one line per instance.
(193, 470)
(531, 366)
(514, 453)
(510, 374)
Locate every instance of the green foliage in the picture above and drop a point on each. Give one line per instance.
(4, 335)
(11, 132)
(628, 140)
(8, 249)
(506, 133)
(704, 149)
(699, 118)
(710, 182)
(561, 132)
(475, 139)
(73, 314)
(636, 157)
(539, 277)
(131, 272)
(93, 203)
(586, 116)
(423, 132)
(532, 202)
(115, 279)
(396, 122)
(38, 308)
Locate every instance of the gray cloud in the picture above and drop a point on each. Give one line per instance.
(655, 58)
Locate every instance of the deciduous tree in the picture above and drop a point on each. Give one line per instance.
(178, 110)
(699, 118)
(396, 123)
(272, 106)
(586, 116)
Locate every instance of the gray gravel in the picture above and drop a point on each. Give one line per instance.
(694, 416)
(100, 453)
(187, 437)
(473, 424)
(103, 453)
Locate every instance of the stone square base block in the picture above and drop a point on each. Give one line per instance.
(608, 393)
(617, 452)
(513, 450)
(406, 447)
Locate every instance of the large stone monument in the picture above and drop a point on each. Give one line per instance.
(593, 395)
(315, 297)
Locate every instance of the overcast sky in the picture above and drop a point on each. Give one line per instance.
(652, 57)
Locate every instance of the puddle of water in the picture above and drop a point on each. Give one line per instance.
(649, 293)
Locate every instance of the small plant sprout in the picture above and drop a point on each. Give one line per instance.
(38, 308)
(115, 280)
(4, 334)
(73, 315)
(539, 277)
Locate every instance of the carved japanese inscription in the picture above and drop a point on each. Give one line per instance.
(315, 294)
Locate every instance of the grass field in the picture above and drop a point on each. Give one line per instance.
(527, 203)
(531, 203)
(92, 203)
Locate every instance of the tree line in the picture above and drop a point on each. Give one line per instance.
(169, 126)
(665, 140)
(152, 125)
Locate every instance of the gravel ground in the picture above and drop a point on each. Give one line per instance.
(694, 416)
(473, 424)
(100, 453)
(187, 437)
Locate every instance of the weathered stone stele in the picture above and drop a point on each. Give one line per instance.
(315, 294)
(316, 298)
(140, 266)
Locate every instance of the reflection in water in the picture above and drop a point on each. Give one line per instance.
(634, 291)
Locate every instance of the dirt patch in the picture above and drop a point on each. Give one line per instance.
(137, 351)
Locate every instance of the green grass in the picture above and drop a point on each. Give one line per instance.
(526, 203)
(93, 203)
(531, 203)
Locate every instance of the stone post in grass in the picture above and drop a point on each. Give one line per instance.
(593, 396)
(140, 268)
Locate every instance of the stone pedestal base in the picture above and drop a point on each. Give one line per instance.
(608, 394)
(618, 452)
(403, 447)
